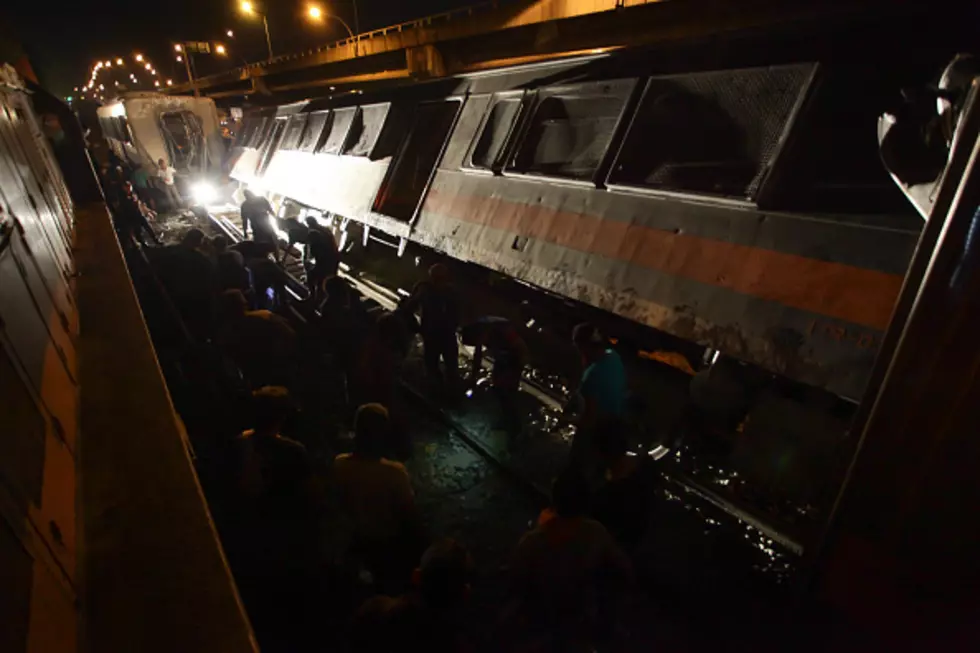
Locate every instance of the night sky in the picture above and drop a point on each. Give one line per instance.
(63, 40)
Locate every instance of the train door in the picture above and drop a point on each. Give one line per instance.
(408, 178)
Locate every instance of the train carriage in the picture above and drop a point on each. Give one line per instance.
(721, 205)
(143, 128)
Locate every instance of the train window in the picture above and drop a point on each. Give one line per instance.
(365, 129)
(409, 176)
(570, 129)
(294, 130)
(497, 126)
(393, 132)
(710, 133)
(108, 128)
(269, 132)
(265, 124)
(123, 125)
(314, 128)
(342, 119)
(271, 146)
(262, 125)
(183, 134)
(241, 138)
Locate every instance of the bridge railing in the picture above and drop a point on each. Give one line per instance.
(417, 23)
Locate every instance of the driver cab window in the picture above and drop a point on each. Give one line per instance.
(183, 134)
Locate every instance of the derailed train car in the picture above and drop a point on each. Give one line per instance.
(729, 194)
(145, 127)
(736, 207)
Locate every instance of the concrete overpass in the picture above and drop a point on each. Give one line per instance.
(502, 33)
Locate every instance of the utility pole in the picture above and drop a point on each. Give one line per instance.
(190, 76)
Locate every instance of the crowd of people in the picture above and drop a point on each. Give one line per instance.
(315, 524)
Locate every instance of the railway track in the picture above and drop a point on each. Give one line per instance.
(683, 485)
(389, 300)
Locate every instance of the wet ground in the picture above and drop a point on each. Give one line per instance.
(702, 569)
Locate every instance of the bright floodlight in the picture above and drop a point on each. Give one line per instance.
(139, 57)
(220, 49)
(204, 192)
(247, 7)
(119, 61)
(170, 82)
(314, 12)
(147, 66)
(178, 47)
(230, 34)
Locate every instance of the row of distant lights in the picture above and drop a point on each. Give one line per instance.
(99, 91)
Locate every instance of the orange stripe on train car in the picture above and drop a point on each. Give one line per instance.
(837, 290)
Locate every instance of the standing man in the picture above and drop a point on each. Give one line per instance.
(141, 182)
(440, 318)
(499, 337)
(168, 180)
(320, 258)
(131, 216)
(255, 212)
(603, 393)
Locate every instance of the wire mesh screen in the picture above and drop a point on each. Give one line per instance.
(294, 130)
(713, 133)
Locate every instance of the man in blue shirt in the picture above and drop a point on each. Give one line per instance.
(603, 391)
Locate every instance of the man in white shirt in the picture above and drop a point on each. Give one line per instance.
(167, 174)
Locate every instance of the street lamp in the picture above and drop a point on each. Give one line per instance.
(249, 9)
(220, 49)
(316, 14)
